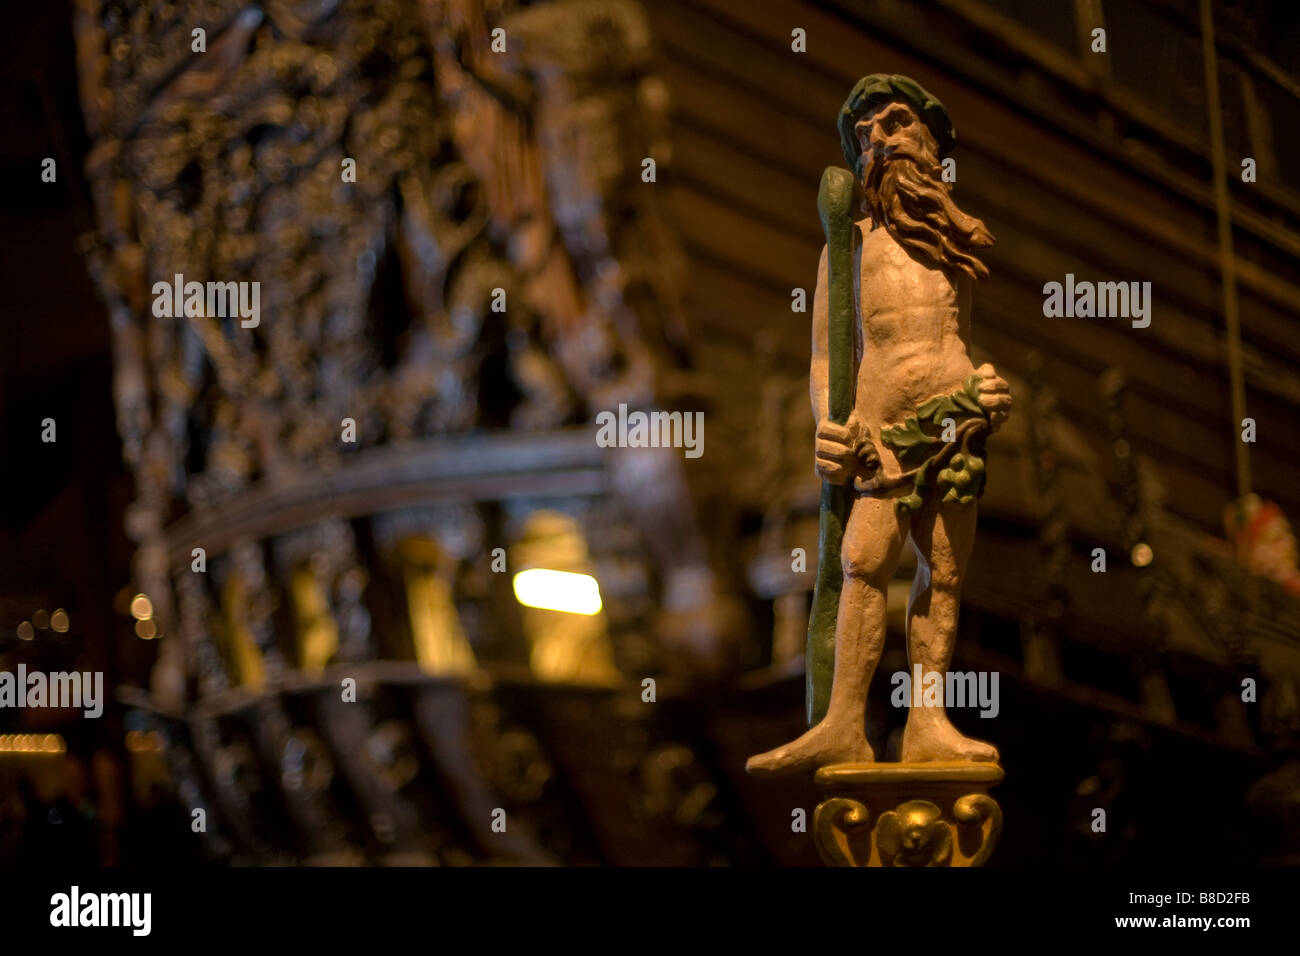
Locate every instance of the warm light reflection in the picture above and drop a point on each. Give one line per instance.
(59, 621)
(558, 591)
(144, 741)
(146, 630)
(141, 607)
(32, 744)
(1142, 555)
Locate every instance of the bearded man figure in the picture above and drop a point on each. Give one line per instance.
(910, 455)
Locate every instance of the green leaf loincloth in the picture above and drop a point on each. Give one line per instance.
(918, 443)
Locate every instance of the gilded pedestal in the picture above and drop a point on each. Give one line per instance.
(907, 814)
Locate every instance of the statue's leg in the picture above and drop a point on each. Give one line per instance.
(873, 541)
(943, 536)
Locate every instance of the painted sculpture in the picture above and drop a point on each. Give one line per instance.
(902, 415)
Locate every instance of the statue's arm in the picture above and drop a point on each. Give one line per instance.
(834, 457)
(995, 393)
(965, 298)
(818, 378)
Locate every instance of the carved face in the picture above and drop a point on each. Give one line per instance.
(890, 128)
(904, 191)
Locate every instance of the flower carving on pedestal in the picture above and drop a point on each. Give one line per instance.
(914, 834)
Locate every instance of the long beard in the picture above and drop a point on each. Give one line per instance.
(906, 194)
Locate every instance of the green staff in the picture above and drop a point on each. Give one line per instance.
(835, 206)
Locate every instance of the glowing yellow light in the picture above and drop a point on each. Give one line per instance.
(25, 631)
(142, 741)
(32, 744)
(1142, 555)
(59, 621)
(146, 630)
(41, 619)
(558, 591)
(141, 607)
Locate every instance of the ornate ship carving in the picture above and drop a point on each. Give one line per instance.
(459, 265)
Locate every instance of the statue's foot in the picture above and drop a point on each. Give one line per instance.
(820, 746)
(940, 740)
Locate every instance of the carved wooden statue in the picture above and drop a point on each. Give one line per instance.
(902, 414)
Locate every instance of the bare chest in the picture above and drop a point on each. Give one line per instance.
(900, 298)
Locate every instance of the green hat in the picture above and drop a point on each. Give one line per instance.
(870, 91)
